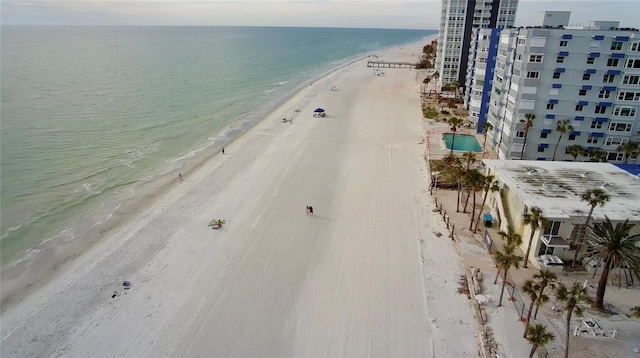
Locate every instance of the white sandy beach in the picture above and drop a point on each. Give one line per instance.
(365, 276)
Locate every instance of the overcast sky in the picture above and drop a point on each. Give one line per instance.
(396, 14)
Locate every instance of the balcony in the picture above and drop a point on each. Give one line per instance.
(549, 242)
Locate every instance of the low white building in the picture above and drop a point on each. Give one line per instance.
(556, 187)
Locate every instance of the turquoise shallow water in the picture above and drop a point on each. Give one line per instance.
(90, 115)
(463, 142)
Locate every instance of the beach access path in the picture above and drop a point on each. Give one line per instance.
(367, 275)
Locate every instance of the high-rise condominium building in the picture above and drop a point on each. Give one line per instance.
(457, 20)
(580, 85)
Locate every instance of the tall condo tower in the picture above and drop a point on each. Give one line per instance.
(562, 92)
(458, 18)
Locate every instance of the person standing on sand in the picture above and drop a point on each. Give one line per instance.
(222, 150)
(310, 210)
(180, 177)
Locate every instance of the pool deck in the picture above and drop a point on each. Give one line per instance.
(436, 147)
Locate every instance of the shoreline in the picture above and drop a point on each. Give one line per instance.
(49, 258)
(368, 274)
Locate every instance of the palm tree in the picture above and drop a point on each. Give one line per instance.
(505, 262)
(562, 127)
(630, 149)
(528, 123)
(594, 197)
(454, 171)
(538, 337)
(530, 288)
(512, 239)
(576, 150)
(534, 217)
(616, 246)
(490, 185)
(477, 183)
(486, 127)
(455, 123)
(545, 278)
(468, 158)
(511, 236)
(571, 298)
(598, 155)
(455, 85)
(472, 180)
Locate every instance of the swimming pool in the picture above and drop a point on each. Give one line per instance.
(463, 142)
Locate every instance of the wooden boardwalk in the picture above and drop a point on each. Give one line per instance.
(386, 64)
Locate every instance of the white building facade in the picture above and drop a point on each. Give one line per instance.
(588, 75)
(556, 188)
(457, 20)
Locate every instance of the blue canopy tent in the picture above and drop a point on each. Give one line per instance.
(319, 112)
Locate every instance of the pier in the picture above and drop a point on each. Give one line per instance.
(386, 64)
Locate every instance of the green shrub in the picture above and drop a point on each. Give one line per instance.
(429, 112)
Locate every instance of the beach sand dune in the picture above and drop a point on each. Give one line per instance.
(348, 281)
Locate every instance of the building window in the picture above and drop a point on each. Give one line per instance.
(556, 75)
(592, 140)
(591, 60)
(586, 77)
(533, 74)
(604, 94)
(608, 78)
(550, 105)
(540, 149)
(620, 127)
(564, 43)
(631, 79)
(552, 228)
(596, 125)
(535, 58)
(616, 45)
(582, 92)
(635, 46)
(615, 157)
(614, 141)
(522, 41)
(572, 137)
(543, 135)
(600, 110)
(632, 63)
(560, 59)
(579, 107)
(624, 111)
(612, 62)
(629, 96)
(520, 134)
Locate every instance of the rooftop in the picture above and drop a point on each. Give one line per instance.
(556, 187)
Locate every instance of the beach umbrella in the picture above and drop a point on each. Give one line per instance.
(319, 110)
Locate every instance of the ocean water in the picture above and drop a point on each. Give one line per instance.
(92, 115)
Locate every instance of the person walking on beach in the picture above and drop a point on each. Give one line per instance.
(222, 150)
(306, 210)
(310, 210)
(180, 177)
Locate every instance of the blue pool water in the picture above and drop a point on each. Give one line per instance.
(463, 142)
